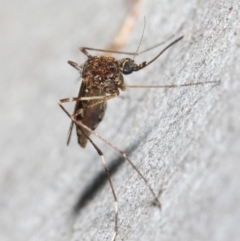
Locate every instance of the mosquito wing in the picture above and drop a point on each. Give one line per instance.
(91, 115)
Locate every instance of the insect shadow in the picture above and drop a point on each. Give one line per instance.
(99, 181)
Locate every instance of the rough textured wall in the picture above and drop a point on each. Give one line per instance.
(186, 140)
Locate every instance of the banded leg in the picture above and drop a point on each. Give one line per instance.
(101, 99)
(122, 153)
(100, 153)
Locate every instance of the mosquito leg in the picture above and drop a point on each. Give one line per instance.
(141, 66)
(73, 99)
(105, 167)
(100, 99)
(111, 185)
(69, 132)
(124, 155)
(173, 85)
(83, 49)
(75, 114)
(104, 99)
(60, 103)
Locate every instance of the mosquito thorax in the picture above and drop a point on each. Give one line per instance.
(103, 72)
(100, 68)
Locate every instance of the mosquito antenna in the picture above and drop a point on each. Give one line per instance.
(140, 39)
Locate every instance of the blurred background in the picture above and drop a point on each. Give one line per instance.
(186, 141)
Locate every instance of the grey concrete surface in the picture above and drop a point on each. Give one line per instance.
(186, 140)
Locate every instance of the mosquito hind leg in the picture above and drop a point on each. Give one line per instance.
(124, 155)
(100, 153)
(69, 132)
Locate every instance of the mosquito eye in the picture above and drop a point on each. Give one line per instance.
(127, 68)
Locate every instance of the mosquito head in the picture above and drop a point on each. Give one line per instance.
(127, 66)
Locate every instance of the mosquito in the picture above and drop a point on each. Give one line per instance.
(102, 80)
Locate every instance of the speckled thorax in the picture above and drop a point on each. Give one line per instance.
(103, 73)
